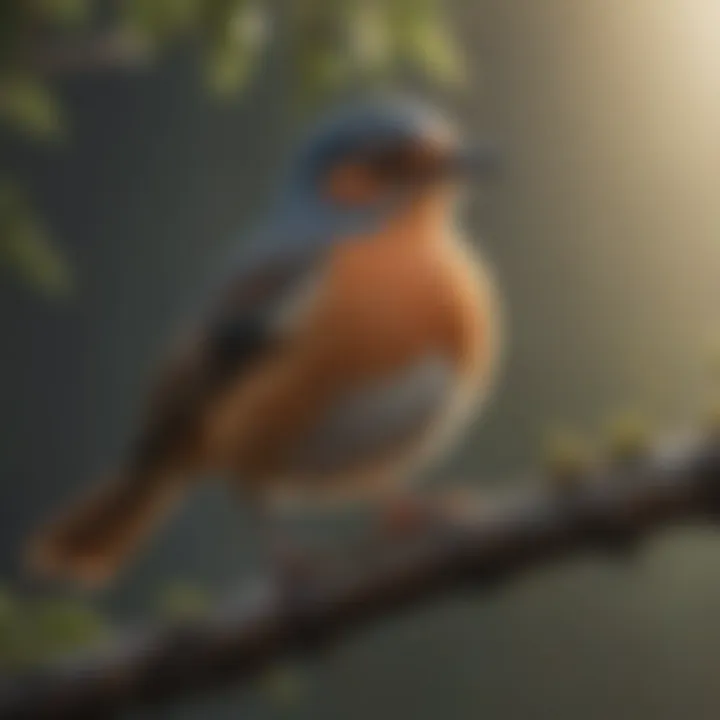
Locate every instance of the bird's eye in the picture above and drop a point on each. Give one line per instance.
(391, 164)
(400, 164)
(405, 164)
(368, 174)
(353, 183)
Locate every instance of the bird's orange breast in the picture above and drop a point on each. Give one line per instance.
(382, 304)
(388, 300)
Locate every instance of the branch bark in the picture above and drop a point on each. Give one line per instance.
(608, 508)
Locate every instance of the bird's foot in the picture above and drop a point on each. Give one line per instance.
(410, 515)
(294, 567)
(298, 573)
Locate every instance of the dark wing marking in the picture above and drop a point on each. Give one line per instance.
(237, 331)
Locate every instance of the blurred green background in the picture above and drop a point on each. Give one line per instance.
(604, 229)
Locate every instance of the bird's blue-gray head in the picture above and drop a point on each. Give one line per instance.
(363, 164)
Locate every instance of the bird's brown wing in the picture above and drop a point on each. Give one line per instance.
(238, 331)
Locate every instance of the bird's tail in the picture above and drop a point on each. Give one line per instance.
(97, 535)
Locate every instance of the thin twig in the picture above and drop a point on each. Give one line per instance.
(607, 509)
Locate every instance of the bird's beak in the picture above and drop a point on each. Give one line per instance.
(473, 163)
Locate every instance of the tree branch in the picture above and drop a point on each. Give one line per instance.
(608, 509)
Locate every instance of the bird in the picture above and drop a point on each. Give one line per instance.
(349, 342)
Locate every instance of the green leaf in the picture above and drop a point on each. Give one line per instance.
(35, 631)
(433, 50)
(33, 256)
(161, 20)
(424, 40)
(26, 248)
(7, 605)
(567, 455)
(17, 645)
(228, 68)
(8, 624)
(69, 13)
(320, 71)
(28, 105)
(63, 625)
(629, 435)
(234, 42)
(284, 686)
(370, 38)
(320, 50)
(179, 601)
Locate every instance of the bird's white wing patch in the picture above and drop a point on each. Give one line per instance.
(369, 423)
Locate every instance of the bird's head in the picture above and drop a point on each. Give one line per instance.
(369, 164)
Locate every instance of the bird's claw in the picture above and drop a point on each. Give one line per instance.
(410, 515)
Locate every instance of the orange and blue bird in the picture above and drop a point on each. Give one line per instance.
(348, 345)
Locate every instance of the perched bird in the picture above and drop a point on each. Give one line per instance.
(346, 347)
